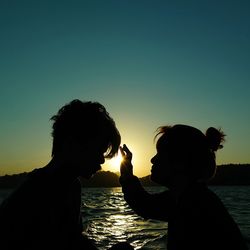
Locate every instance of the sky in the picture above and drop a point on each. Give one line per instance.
(149, 62)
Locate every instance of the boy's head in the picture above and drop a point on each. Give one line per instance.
(86, 124)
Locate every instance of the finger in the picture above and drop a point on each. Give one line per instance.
(128, 152)
(122, 151)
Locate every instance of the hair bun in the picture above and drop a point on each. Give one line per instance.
(215, 137)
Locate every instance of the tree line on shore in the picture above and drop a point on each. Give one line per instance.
(229, 174)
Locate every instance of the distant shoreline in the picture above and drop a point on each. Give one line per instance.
(229, 174)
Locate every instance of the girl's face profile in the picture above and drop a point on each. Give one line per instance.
(162, 163)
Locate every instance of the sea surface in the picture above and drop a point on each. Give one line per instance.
(107, 219)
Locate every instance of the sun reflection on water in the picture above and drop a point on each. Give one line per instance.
(109, 220)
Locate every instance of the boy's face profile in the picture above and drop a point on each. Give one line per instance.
(94, 158)
(85, 158)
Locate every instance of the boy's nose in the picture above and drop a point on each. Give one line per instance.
(153, 160)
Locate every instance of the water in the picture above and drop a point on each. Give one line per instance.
(107, 219)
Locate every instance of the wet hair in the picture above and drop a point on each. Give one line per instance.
(84, 121)
(195, 149)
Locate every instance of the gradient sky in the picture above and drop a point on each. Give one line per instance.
(150, 63)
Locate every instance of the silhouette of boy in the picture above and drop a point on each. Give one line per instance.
(44, 212)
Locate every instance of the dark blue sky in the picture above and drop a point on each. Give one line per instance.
(149, 62)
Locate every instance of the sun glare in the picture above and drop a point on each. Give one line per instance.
(114, 163)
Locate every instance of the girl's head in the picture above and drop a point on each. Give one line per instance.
(185, 151)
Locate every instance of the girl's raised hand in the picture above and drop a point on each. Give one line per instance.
(126, 167)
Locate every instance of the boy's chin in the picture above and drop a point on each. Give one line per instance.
(156, 180)
(152, 178)
(88, 175)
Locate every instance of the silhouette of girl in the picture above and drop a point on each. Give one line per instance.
(184, 163)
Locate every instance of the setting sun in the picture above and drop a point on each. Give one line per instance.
(114, 163)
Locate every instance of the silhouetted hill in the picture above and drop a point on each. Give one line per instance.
(10, 181)
(230, 174)
(102, 179)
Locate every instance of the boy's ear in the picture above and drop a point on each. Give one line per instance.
(72, 143)
(69, 143)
